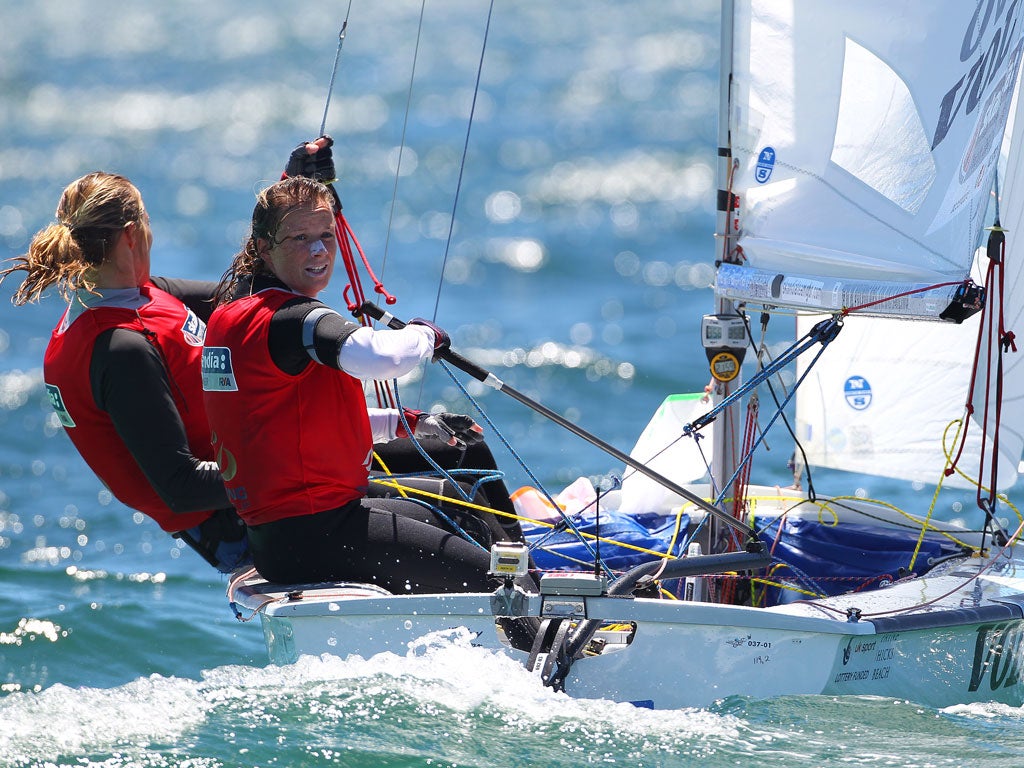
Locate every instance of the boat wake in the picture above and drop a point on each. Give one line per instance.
(443, 697)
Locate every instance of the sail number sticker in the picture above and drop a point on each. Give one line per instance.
(765, 165)
(57, 401)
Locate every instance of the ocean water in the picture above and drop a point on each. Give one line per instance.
(570, 252)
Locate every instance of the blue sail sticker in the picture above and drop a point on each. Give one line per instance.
(765, 165)
(857, 392)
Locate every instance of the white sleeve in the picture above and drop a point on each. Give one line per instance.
(384, 423)
(385, 354)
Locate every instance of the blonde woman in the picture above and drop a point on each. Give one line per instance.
(122, 368)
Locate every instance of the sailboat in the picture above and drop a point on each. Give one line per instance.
(859, 150)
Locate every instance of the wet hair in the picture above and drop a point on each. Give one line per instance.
(91, 215)
(272, 205)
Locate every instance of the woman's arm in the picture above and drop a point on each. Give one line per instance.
(307, 330)
(197, 295)
(130, 383)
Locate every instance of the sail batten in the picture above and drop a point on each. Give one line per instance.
(915, 301)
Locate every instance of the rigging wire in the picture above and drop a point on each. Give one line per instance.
(391, 393)
(401, 144)
(348, 243)
(462, 163)
(334, 71)
(567, 521)
(762, 350)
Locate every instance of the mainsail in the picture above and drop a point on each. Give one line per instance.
(865, 155)
(864, 152)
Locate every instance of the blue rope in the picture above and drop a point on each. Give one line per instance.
(566, 519)
(823, 332)
(484, 477)
(422, 452)
(449, 476)
(778, 413)
(437, 511)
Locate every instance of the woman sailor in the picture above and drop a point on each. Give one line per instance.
(293, 435)
(122, 366)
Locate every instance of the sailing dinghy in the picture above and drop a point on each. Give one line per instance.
(859, 145)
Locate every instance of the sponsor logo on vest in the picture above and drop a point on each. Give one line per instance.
(53, 391)
(218, 374)
(997, 651)
(193, 329)
(228, 465)
(228, 470)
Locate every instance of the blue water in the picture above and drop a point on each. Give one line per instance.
(576, 268)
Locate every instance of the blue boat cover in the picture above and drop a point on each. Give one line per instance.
(564, 551)
(832, 559)
(811, 556)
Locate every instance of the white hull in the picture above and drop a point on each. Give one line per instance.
(938, 640)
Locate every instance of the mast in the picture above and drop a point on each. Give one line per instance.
(725, 439)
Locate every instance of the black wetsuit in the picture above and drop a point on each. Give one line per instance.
(397, 543)
(129, 381)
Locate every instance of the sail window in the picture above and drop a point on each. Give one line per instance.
(879, 137)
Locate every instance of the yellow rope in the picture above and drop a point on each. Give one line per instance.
(789, 587)
(470, 505)
(388, 472)
(827, 515)
(948, 453)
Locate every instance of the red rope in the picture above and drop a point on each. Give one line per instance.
(743, 477)
(348, 246)
(991, 325)
(859, 307)
(353, 292)
(969, 405)
(1004, 341)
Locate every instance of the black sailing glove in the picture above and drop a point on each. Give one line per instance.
(454, 429)
(319, 165)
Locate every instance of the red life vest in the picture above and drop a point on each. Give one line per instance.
(178, 333)
(287, 445)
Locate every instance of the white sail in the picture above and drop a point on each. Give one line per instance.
(663, 447)
(865, 151)
(1011, 435)
(888, 397)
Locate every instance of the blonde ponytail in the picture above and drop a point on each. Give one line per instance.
(92, 212)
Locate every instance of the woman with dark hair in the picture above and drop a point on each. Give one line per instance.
(292, 431)
(122, 366)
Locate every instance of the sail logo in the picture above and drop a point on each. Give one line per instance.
(990, 47)
(765, 165)
(857, 393)
(997, 652)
